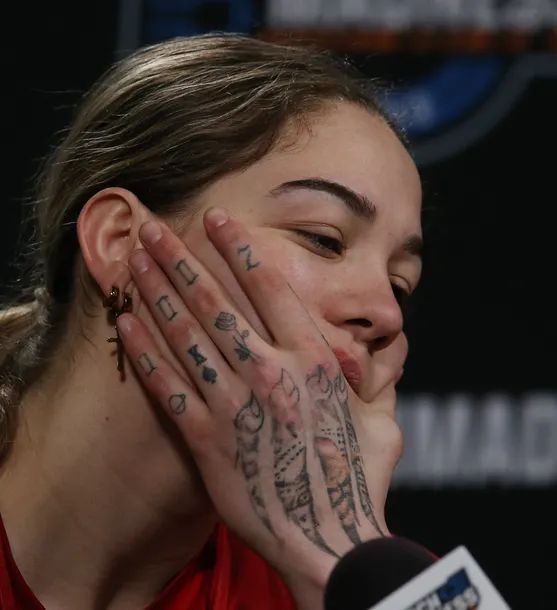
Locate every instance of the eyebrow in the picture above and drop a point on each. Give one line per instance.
(414, 245)
(358, 204)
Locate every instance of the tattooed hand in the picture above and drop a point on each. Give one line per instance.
(269, 424)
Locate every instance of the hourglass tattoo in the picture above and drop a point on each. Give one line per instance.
(227, 322)
(331, 447)
(208, 374)
(292, 480)
(248, 423)
(341, 392)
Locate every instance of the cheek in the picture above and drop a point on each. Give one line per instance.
(400, 349)
(308, 278)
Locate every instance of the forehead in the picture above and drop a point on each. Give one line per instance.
(342, 143)
(348, 144)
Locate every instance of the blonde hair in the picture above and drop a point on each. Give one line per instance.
(164, 123)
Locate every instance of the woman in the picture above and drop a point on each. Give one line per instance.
(252, 209)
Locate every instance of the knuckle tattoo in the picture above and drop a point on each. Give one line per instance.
(187, 274)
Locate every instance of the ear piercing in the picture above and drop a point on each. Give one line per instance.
(111, 303)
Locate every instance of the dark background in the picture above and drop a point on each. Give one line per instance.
(484, 317)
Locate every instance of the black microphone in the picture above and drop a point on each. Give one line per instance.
(398, 574)
(373, 570)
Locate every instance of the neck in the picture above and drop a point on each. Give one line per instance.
(100, 498)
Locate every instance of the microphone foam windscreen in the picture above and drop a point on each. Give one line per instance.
(372, 570)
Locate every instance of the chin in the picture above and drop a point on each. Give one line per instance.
(382, 400)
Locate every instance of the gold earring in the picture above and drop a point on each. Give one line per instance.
(111, 303)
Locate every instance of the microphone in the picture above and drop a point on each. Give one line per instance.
(398, 574)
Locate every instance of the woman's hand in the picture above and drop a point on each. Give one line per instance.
(268, 424)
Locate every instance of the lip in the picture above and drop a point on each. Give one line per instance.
(350, 368)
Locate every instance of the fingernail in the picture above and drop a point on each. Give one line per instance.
(150, 233)
(139, 261)
(217, 217)
(124, 324)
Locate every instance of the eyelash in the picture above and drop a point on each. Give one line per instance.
(402, 298)
(322, 242)
(330, 244)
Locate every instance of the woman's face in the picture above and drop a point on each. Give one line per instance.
(339, 212)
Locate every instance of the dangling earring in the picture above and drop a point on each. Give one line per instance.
(111, 303)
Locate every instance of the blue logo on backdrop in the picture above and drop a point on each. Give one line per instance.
(163, 19)
(457, 593)
(441, 98)
(443, 112)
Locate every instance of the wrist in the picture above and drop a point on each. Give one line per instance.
(308, 596)
(308, 592)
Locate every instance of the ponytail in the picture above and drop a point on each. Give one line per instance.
(22, 331)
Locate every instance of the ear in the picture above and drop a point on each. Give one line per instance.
(107, 230)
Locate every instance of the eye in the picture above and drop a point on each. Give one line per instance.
(402, 297)
(322, 242)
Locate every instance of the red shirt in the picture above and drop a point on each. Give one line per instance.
(226, 575)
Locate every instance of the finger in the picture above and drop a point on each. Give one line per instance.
(268, 289)
(205, 298)
(194, 349)
(162, 382)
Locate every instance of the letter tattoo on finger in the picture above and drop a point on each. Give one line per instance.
(146, 364)
(166, 308)
(196, 355)
(246, 250)
(186, 272)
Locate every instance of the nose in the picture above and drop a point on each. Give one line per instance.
(379, 321)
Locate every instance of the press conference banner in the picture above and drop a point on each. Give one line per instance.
(404, 14)
(462, 440)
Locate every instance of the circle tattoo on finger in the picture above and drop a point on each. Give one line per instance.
(177, 403)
